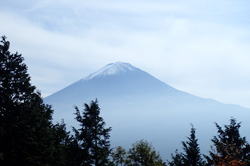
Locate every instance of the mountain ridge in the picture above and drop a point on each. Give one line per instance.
(135, 104)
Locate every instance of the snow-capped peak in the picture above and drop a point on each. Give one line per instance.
(112, 69)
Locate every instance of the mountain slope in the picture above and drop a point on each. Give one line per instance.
(115, 79)
(139, 106)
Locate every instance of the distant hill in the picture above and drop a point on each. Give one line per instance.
(139, 106)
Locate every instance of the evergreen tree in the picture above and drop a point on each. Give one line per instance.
(191, 155)
(177, 159)
(143, 154)
(67, 151)
(61, 144)
(230, 149)
(25, 121)
(92, 136)
(74, 153)
(119, 156)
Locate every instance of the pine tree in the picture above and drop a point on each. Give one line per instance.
(191, 155)
(25, 121)
(177, 159)
(143, 154)
(119, 156)
(92, 136)
(230, 149)
(61, 143)
(66, 148)
(74, 153)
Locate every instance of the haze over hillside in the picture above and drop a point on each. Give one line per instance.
(139, 106)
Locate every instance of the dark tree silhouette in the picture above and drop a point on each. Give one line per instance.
(25, 121)
(63, 144)
(191, 155)
(230, 149)
(143, 154)
(176, 159)
(119, 156)
(92, 136)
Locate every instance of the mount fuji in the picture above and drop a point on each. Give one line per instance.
(139, 106)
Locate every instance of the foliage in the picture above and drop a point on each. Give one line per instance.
(25, 121)
(177, 159)
(229, 147)
(143, 154)
(191, 155)
(92, 136)
(119, 156)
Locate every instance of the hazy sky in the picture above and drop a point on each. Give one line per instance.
(202, 47)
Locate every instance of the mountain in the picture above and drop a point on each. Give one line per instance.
(139, 106)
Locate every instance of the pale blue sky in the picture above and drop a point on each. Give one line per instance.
(202, 47)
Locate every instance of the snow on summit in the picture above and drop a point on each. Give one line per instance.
(112, 69)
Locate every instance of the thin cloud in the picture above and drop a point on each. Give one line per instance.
(191, 45)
